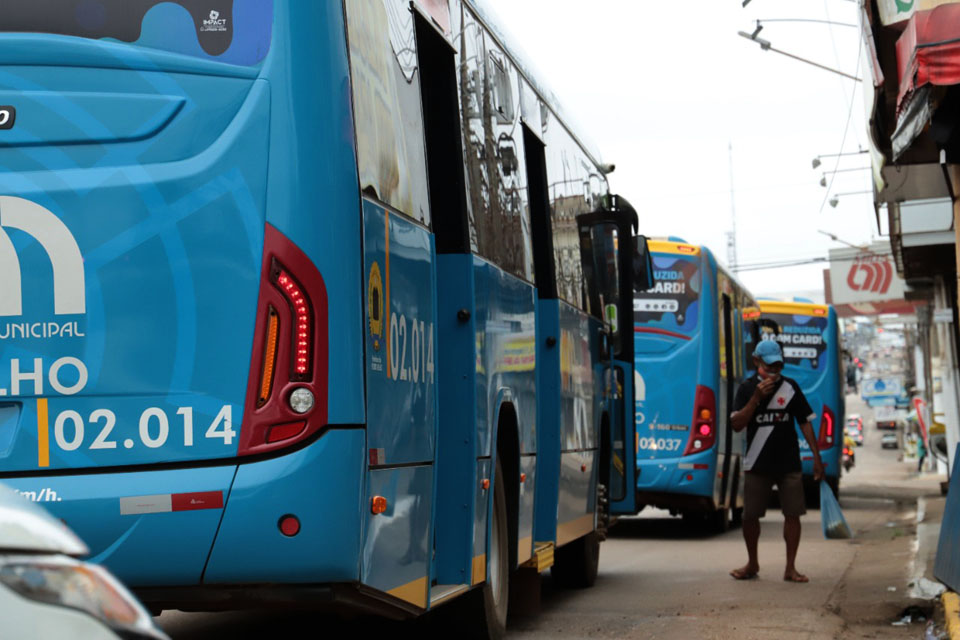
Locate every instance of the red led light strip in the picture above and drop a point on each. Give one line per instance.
(301, 363)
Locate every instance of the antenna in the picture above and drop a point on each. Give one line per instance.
(732, 234)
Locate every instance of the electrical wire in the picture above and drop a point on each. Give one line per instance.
(796, 262)
(780, 264)
(843, 141)
(699, 194)
(836, 58)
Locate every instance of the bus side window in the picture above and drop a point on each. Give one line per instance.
(386, 104)
(499, 222)
(571, 179)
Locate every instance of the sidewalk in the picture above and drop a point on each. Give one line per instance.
(893, 569)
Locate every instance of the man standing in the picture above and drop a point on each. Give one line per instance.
(767, 405)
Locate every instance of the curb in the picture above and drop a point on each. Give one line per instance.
(951, 613)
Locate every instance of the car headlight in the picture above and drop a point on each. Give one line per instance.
(79, 585)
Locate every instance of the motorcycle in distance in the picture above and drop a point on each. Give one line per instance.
(849, 456)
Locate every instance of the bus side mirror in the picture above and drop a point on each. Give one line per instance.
(642, 265)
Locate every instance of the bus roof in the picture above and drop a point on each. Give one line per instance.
(670, 246)
(794, 308)
(676, 246)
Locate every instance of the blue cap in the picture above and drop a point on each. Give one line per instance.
(769, 351)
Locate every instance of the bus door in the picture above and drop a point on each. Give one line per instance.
(725, 398)
(614, 261)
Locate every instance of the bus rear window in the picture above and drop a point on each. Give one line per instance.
(231, 31)
(802, 338)
(673, 303)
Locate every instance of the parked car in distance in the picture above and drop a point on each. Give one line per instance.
(46, 592)
(889, 441)
(855, 420)
(856, 435)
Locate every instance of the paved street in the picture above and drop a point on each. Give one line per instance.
(659, 579)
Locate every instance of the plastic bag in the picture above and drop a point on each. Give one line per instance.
(831, 517)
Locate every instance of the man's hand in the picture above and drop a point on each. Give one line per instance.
(818, 470)
(765, 388)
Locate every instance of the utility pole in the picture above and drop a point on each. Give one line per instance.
(732, 235)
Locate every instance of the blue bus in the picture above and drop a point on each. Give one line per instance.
(810, 337)
(307, 302)
(688, 342)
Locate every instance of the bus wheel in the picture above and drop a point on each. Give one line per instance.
(736, 513)
(720, 520)
(834, 484)
(576, 563)
(487, 605)
(482, 612)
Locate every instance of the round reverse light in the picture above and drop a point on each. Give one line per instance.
(301, 400)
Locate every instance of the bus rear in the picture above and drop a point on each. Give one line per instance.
(675, 381)
(161, 284)
(227, 312)
(809, 336)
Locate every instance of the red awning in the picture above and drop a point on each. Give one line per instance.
(928, 51)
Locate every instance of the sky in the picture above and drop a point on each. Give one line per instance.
(665, 88)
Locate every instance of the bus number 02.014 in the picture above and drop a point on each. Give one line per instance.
(416, 337)
(69, 428)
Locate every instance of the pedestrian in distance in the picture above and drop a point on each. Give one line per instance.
(767, 405)
(921, 452)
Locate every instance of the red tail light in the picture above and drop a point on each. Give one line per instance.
(827, 422)
(289, 350)
(301, 320)
(703, 434)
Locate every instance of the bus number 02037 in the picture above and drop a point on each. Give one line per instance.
(660, 444)
(154, 428)
(414, 336)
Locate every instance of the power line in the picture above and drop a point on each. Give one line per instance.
(780, 264)
(696, 194)
(797, 262)
(843, 141)
(836, 58)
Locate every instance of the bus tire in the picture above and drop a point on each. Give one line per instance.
(484, 609)
(736, 513)
(834, 483)
(576, 563)
(720, 520)
(811, 491)
(495, 592)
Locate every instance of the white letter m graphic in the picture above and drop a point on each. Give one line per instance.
(69, 294)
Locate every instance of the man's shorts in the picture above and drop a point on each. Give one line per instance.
(758, 486)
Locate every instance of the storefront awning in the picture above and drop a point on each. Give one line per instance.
(928, 52)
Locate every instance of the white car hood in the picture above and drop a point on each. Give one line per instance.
(27, 527)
